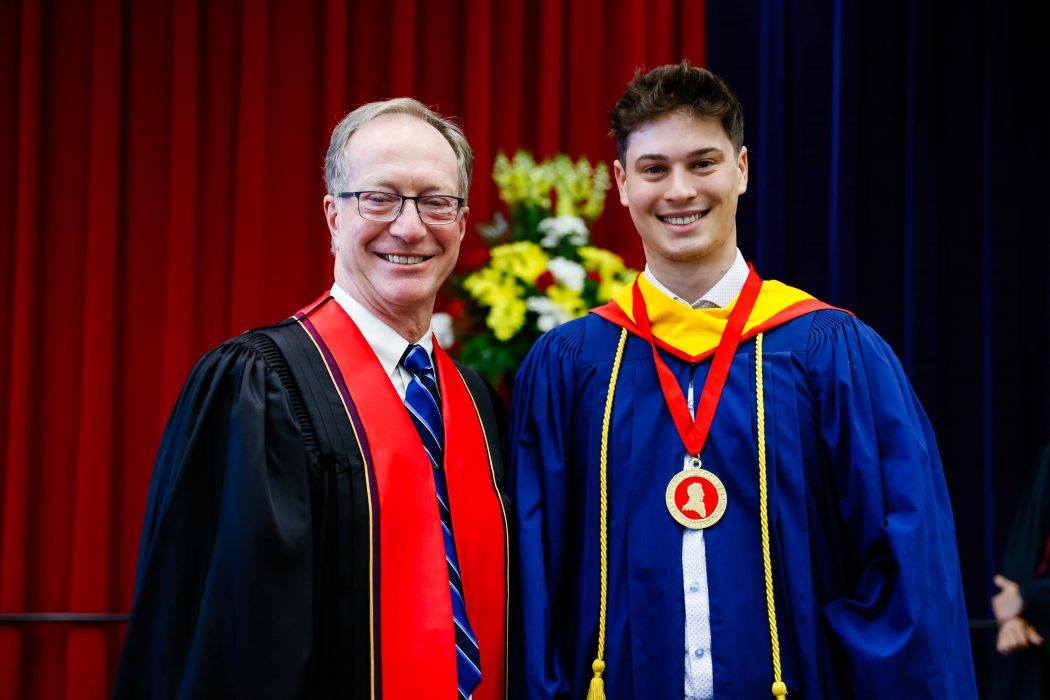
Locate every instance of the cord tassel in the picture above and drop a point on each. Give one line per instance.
(597, 689)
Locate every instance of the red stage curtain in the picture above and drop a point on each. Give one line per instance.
(160, 190)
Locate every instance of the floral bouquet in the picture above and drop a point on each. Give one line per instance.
(541, 270)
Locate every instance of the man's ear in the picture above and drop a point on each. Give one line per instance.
(331, 213)
(621, 180)
(464, 212)
(741, 163)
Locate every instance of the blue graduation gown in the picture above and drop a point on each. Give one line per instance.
(869, 600)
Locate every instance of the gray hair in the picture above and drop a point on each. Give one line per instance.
(335, 170)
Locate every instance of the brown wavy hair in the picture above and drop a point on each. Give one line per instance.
(672, 88)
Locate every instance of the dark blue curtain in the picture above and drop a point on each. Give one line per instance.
(899, 157)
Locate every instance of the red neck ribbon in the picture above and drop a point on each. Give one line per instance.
(694, 433)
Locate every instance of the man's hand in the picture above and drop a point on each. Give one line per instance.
(1007, 602)
(1015, 634)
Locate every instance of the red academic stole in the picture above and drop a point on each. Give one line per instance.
(418, 649)
(694, 334)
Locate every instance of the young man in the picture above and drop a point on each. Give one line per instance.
(724, 488)
(325, 517)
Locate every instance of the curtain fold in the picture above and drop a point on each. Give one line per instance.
(88, 651)
(898, 169)
(21, 270)
(161, 191)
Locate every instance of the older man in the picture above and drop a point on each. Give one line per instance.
(325, 517)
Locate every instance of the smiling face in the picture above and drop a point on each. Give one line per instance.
(395, 269)
(681, 181)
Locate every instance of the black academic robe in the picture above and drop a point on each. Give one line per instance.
(1026, 674)
(253, 574)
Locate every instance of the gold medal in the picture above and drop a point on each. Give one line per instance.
(695, 497)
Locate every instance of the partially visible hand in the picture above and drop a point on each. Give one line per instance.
(1016, 634)
(1007, 602)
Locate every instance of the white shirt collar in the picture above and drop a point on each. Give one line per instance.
(719, 296)
(386, 343)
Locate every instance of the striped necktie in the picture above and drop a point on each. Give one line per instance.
(424, 407)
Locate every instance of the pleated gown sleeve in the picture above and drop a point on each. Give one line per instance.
(899, 618)
(223, 594)
(541, 424)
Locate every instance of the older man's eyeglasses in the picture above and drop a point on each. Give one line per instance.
(384, 207)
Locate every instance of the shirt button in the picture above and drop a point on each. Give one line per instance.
(699, 653)
(694, 586)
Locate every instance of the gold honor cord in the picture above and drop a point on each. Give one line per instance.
(597, 688)
(779, 688)
(596, 691)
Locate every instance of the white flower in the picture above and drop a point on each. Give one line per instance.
(441, 324)
(550, 314)
(556, 228)
(567, 273)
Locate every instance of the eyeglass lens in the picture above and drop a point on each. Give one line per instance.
(385, 206)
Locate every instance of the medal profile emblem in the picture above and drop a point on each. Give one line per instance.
(696, 498)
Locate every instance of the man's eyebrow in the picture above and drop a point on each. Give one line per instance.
(386, 185)
(382, 184)
(692, 154)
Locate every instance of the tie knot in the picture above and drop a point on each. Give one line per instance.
(416, 360)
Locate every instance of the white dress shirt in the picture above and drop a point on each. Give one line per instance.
(386, 343)
(699, 672)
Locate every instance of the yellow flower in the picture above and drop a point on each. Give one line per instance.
(522, 180)
(524, 260)
(580, 188)
(569, 300)
(610, 268)
(506, 317)
(595, 201)
(488, 286)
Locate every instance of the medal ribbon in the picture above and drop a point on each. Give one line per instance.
(694, 433)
